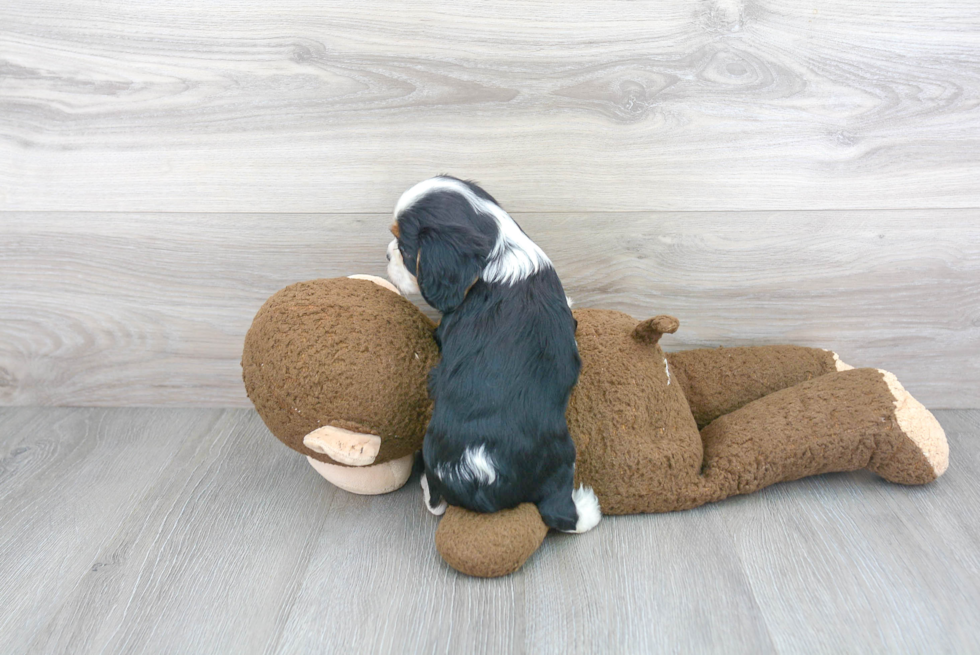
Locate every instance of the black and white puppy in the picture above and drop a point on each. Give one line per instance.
(498, 435)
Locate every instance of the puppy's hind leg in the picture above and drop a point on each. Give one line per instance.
(568, 509)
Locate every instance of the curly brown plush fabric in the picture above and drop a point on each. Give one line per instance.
(490, 545)
(789, 435)
(721, 380)
(639, 447)
(632, 428)
(352, 354)
(341, 352)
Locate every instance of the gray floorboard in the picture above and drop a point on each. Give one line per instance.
(193, 530)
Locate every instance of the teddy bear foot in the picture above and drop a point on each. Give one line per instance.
(923, 455)
(841, 366)
(367, 480)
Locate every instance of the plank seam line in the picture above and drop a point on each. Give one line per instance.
(515, 211)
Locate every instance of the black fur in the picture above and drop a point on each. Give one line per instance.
(509, 362)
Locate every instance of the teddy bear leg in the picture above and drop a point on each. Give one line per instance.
(717, 381)
(854, 419)
(489, 545)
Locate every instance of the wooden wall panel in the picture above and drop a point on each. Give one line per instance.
(319, 106)
(151, 309)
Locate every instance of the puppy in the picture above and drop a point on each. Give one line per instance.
(498, 435)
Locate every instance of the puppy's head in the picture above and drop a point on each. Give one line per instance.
(442, 241)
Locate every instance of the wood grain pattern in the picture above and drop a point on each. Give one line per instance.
(152, 309)
(68, 479)
(191, 530)
(572, 604)
(166, 298)
(616, 106)
(229, 525)
(869, 538)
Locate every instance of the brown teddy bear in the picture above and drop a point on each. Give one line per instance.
(337, 369)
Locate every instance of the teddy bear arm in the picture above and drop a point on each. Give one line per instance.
(718, 381)
(844, 421)
(489, 545)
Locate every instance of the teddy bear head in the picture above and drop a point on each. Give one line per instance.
(337, 370)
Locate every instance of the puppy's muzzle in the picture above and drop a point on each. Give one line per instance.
(397, 273)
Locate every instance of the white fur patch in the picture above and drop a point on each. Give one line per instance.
(427, 496)
(479, 465)
(514, 256)
(587, 508)
(476, 465)
(397, 273)
(667, 368)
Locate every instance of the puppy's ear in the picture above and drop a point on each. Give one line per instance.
(449, 263)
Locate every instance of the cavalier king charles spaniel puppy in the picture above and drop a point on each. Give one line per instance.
(498, 435)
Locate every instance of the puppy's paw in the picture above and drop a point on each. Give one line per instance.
(587, 508)
(439, 509)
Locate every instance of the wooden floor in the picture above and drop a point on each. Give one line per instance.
(194, 531)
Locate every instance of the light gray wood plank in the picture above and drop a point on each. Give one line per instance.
(668, 583)
(958, 491)
(647, 105)
(892, 290)
(210, 559)
(69, 478)
(115, 309)
(188, 530)
(624, 588)
(12, 420)
(152, 309)
(850, 563)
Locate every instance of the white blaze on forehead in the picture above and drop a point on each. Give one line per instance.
(421, 189)
(514, 256)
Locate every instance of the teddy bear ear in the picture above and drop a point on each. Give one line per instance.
(380, 281)
(650, 330)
